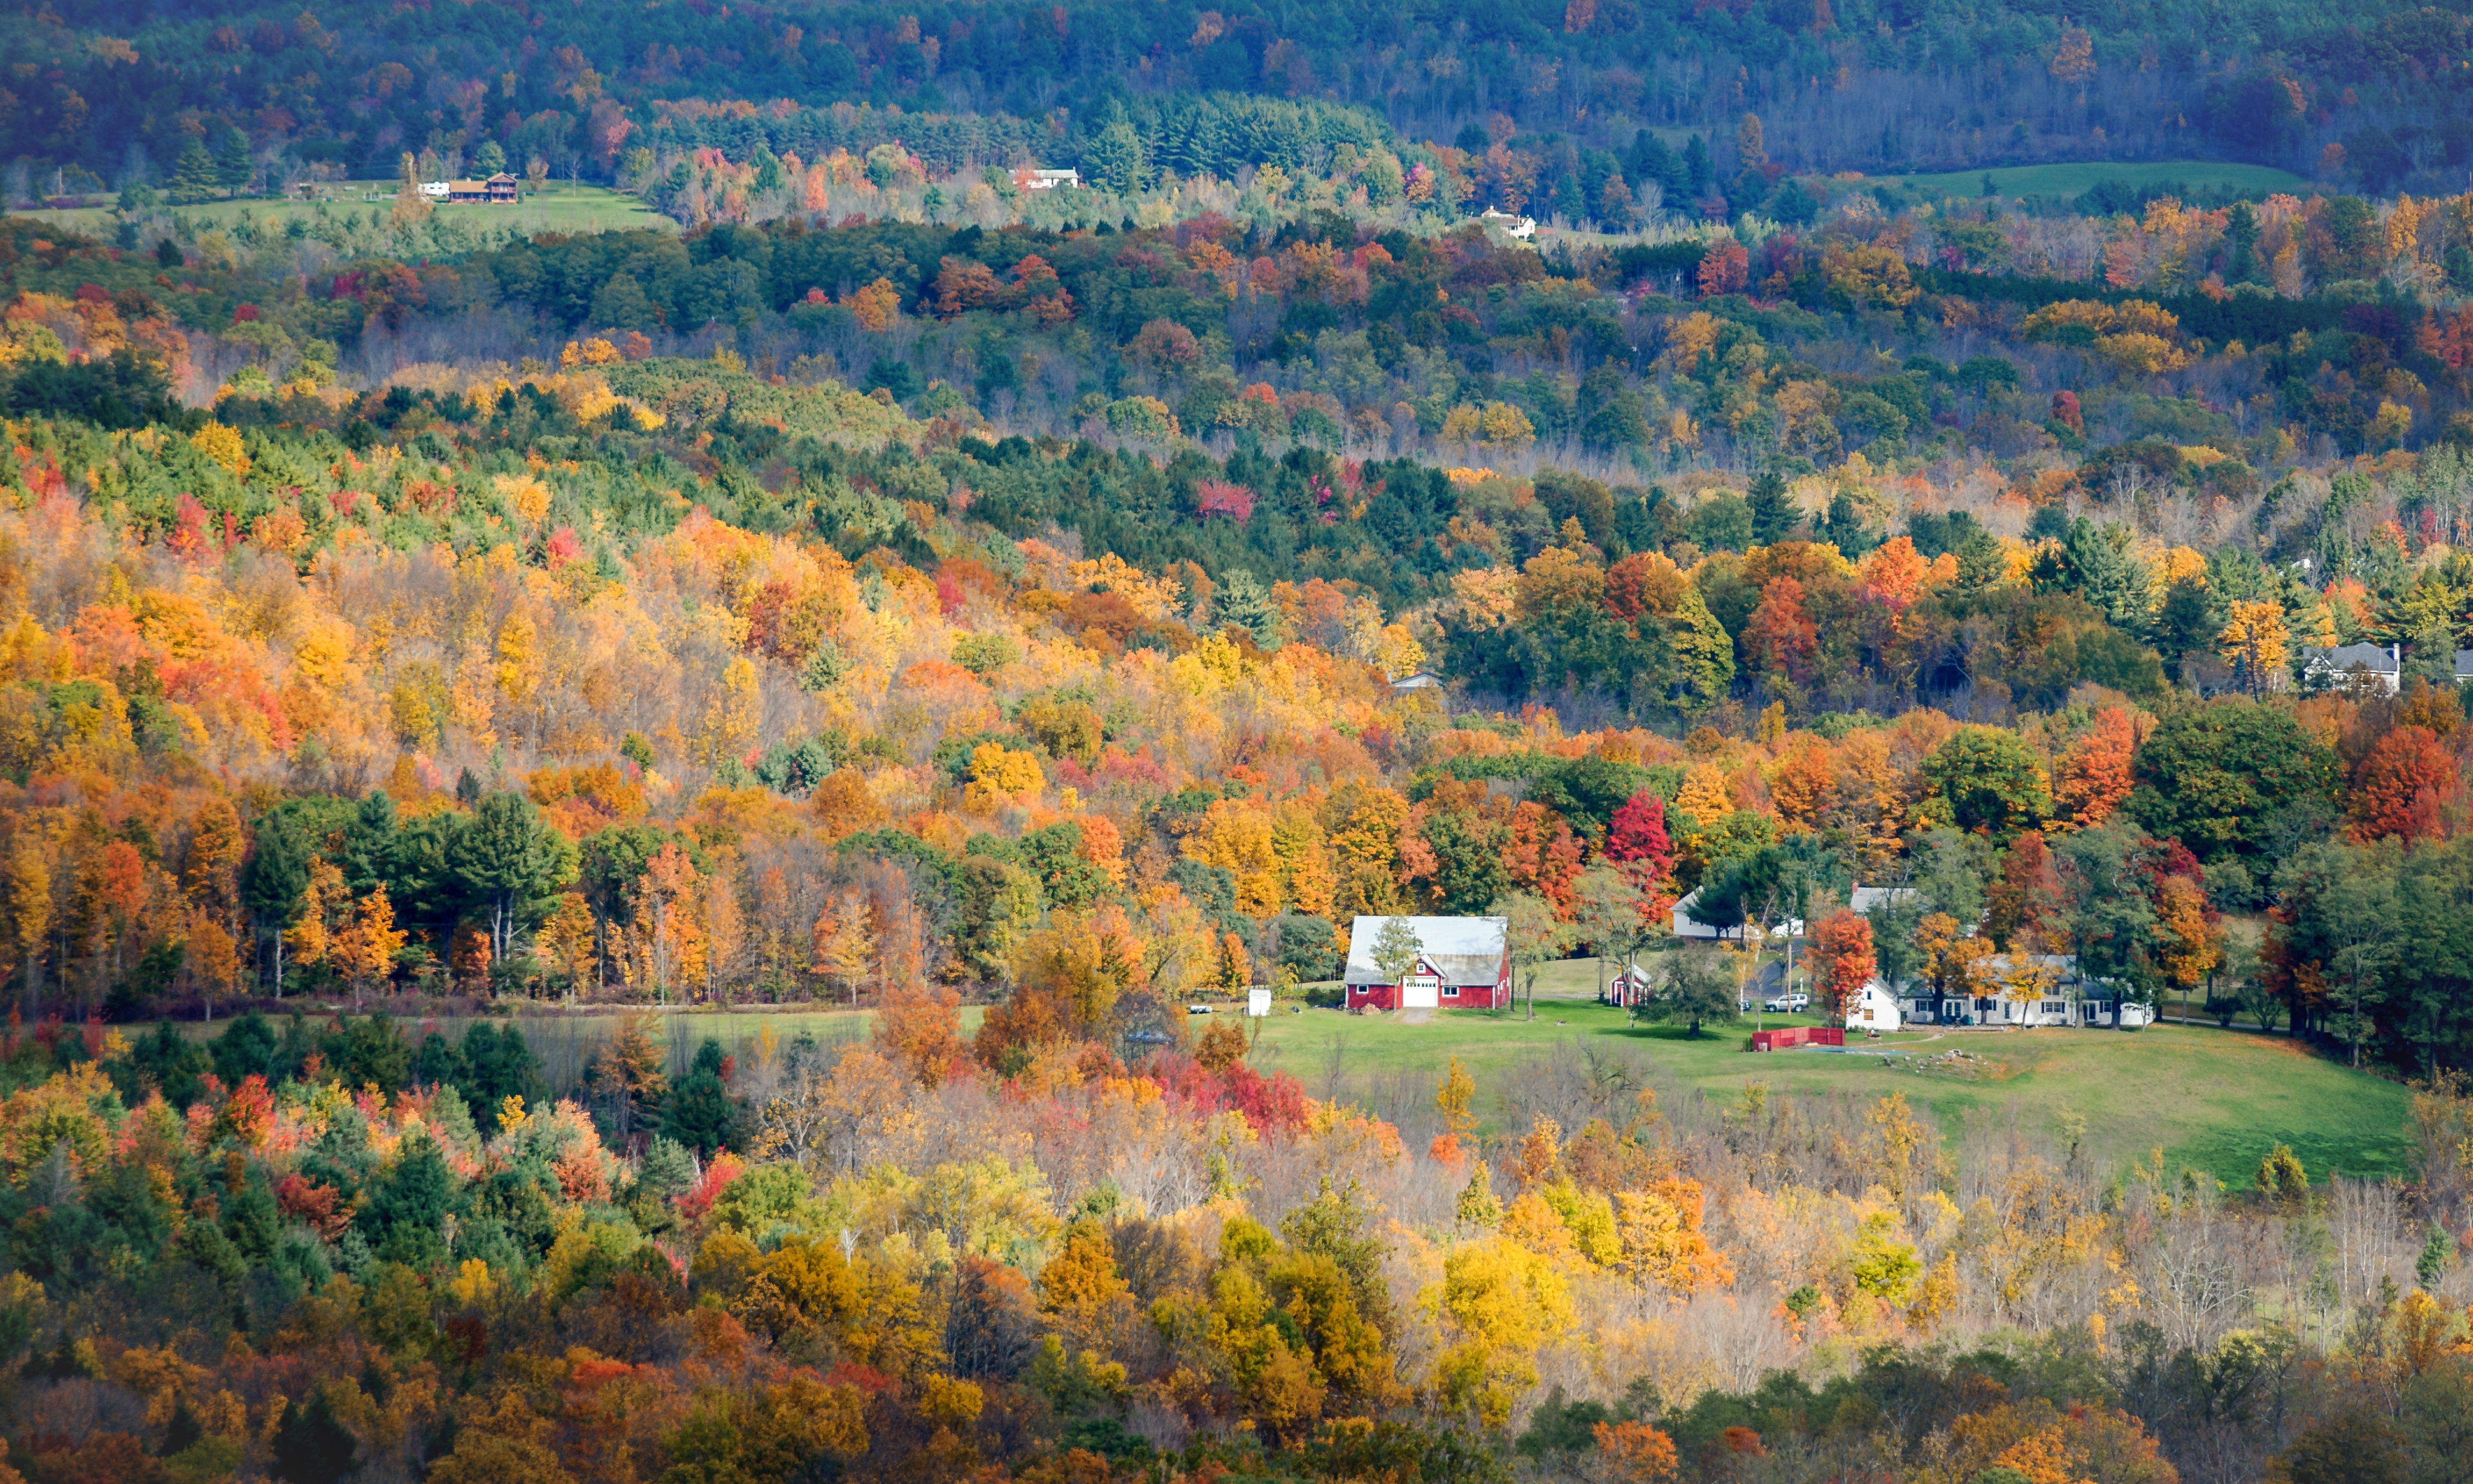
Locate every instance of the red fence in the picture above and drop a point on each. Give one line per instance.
(1799, 1036)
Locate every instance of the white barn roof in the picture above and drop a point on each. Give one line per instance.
(1462, 950)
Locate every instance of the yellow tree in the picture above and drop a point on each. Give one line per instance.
(30, 906)
(2027, 983)
(565, 941)
(1953, 960)
(366, 950)
(726, 935)
(738, 710)
(667, 944)
(1663, 1244)
(1241, 837)
(307, 940)
(2191, 948)
(1453, 1096)
(1505, 1303)
(216, 846)
(213, 959)
(2256, 643)
(843, 942)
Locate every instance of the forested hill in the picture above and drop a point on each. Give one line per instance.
(106, 89)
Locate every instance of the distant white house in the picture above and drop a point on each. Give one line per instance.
(2463, 665)
(2065, 999)
(1863, 899)
(1523, 227)
(2383, 665)
(1686, 925)
(434, 188)
(1423, 679)
(1028, 178)
(1462, 964)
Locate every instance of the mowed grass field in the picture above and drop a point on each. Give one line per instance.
(2071, 179)
(558, 208)
(2210, 1099)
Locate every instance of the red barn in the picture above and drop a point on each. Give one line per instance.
(1462, 964)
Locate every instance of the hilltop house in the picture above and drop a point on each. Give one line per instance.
(1029, 179)
(2384, 666)
(1462, 964)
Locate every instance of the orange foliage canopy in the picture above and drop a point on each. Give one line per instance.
(2398, 788)
(2093, 777)
(1842, 959)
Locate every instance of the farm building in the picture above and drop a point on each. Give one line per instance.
(1462, 964)
(498, 190)
(1875, 1008)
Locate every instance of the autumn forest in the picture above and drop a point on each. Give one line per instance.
(637, 818)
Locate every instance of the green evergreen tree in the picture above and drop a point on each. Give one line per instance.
(406, 1212)
(234, 167)
(1244, 603)
(701, 1115)
(1113, 161)
(314, 1447)
(273, 882)
(511, 864)
(195, 179)
(1774, 515)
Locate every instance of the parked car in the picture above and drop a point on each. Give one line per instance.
(1788, 1004)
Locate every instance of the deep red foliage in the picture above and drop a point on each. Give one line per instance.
(1219, 497)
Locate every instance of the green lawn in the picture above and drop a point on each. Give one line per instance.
(2071, 179)
(2210, 1099)
(2214, 1100)
(563, 208)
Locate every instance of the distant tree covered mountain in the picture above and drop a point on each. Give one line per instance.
(110, 91)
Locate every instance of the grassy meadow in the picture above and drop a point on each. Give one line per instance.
(2069, 179)
(2210, 1099)
(558, 208)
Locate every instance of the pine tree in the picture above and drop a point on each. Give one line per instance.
(1774, 515)
(195, 179)
(234, 167)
